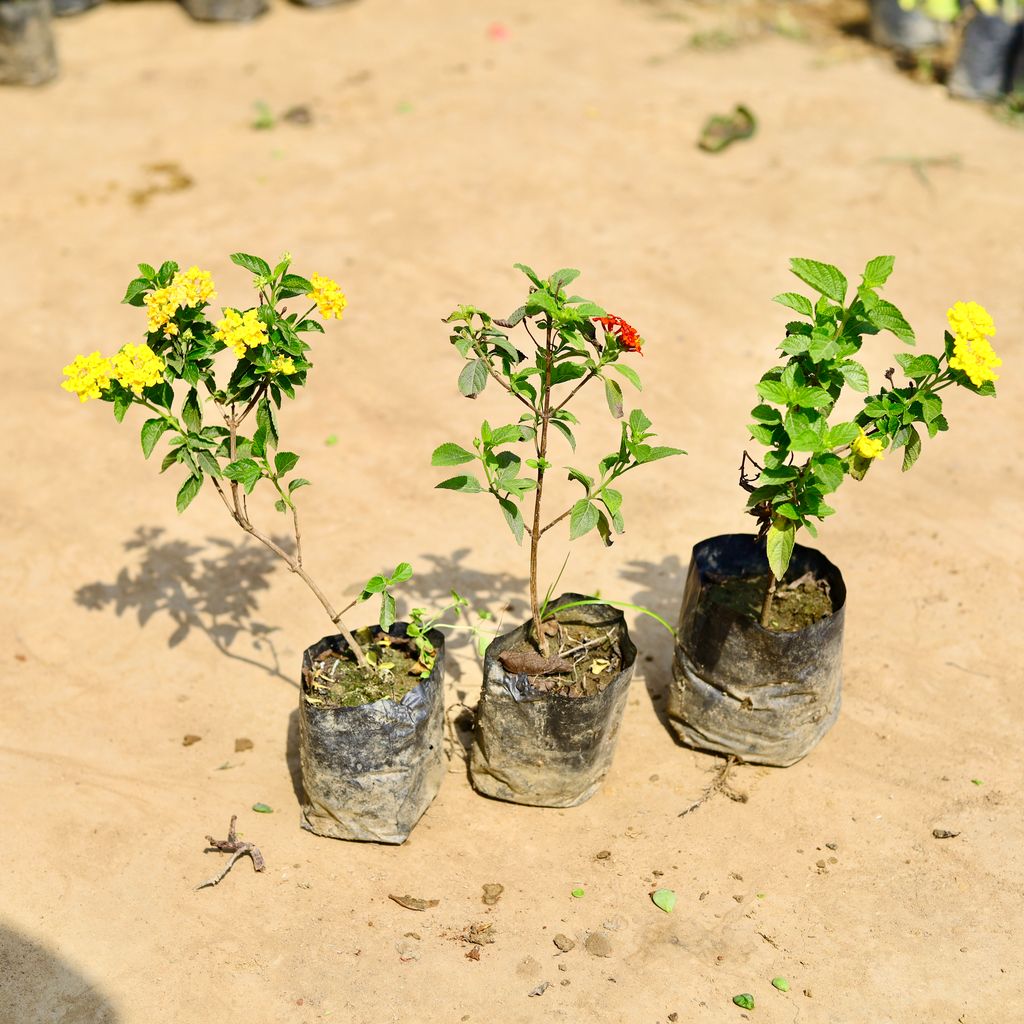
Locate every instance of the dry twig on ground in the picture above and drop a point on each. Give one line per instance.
(233, 846)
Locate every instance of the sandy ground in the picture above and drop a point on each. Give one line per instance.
(437, 157)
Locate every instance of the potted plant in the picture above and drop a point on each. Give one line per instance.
(758, 658)
(371, 704)
(555, 688)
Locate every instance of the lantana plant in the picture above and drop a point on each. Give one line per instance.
(808, 456)
(177, 376)
(567, 343)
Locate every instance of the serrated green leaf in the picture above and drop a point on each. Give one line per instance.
(191, 413)
(854, 374)
(564, 277)
(795, 301)
(253, 264)
(528, 271)
(651, 453)
(912, 449)
(779, 541)
(244, 471)
(887, 317)
(450, 454)
(917, 367)
(281, 505)
(822, 277)
(841, 434)
(877, 272)
(151, 433)
(473, 378)
(189, 489)
(133, 295)
(295, 484)
(773, 391)
(582, 519)
(266, 419)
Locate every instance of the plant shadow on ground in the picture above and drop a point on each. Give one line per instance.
(661, 590)
(38, 985)
(211, 589)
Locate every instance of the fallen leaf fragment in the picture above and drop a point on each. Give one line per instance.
(243, 743)
(263, 808)
(744, 999)
(413, 902)
(578, 893)
(664, 899)
(190, 739)
(944, 833)
(540, 989)
(492, 893)
(473, 954)
(781, 984)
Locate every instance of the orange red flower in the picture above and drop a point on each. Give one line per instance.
(628, 337)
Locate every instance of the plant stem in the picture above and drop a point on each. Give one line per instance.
(535, 533)
(769, 597)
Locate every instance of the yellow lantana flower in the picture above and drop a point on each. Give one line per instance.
(193, 287)
(196, 287)
(972, 326)
(241, 331)
(161, 305)
(328, 296)
(867, 447)
(282, 364)
(88, 376)
(137, 367)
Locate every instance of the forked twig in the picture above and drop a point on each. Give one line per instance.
(232, 845)
(719, 784)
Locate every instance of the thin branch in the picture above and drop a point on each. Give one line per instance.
(234, 846)
(719, 784)
(586, 380)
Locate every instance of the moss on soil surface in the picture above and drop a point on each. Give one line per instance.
(338, 682)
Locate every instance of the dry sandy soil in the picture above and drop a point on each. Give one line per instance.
(441, 152)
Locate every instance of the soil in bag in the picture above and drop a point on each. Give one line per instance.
(765, 695)
(27, 53)
(370, 744)
(546, 729)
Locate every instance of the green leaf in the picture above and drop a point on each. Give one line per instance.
(582, 519)
(167, 270)
(402, 573)
(473, 378)
(780, 540)
(251, 263)
(564, 277)
(811, 397)
(245, 471)
(565, 432)
(281, 505)
(613, 394)
(133, 296)
(262, 809)
(189, 489)
(638, 421)
(540, 302)
(841, 434)
(912, 451)
(374, 585)
(931, 407)
(887, 317)
(147, 271)
(388, 611)
(795, 301)
(629, 373)
(854, 374)
(284, 462)
(877, 272)
(191, 414)
(506, 435)
(267, 421)
(295, 484)
(528, 271)
(773, 391)
(744, 999)
(781, 983)
(514, 518)
(450, 454)
(296, 284)
(170, 459)
(122, 400)
(916, 367)
(151, 432)
(651, 453)
(822, 277)
(664, 899)
(465, 484)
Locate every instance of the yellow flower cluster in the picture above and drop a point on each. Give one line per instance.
(328, 296)
(193, 287)
(282, 364)
(972, 326)
(241, 331)
(137, 367)
(88, 376)
(868, 447)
